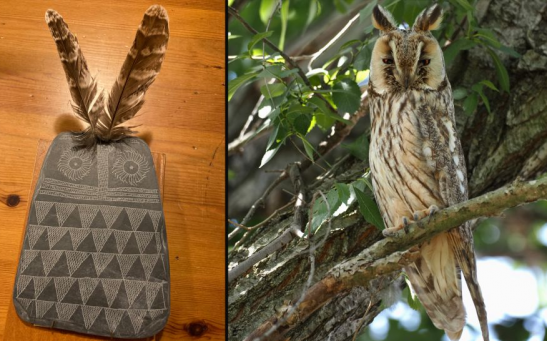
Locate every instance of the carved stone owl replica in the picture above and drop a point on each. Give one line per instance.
(94, 257)
(417, 162)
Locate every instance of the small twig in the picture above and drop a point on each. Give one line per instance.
(239, 225)
(385, 256)
(306, 156)
(237, 144)
(251, 117)
(328, 220)
(332, 41)
(295, 58)
(292, 310)
(262, 223)
(363, 319)
(337, 280)
(289, 60)
(334, 167)
(339, 133)
(456, 32)
(274, 171)
(295, 229)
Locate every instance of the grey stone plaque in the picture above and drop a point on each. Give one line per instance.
(94, 258)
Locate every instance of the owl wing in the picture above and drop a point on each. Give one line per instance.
(452, 176)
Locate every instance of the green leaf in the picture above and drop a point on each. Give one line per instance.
(413, 8)
(276, 71)
(266, 10)
(489, 37)
(365, 13)
(411, 297)
(273, 90)
(485, 100)
(455, 47)
(320, 211)
(489, 84)
(501, 71)
(350, 43)
(369, 209)
(233, 36)
(359, 147)
(459, 93)
(256, 38)
(343, 191)
(284, 19)
(334, 200)
(348, 98)
(362, 61)
(313, 11)
(398, 10)
(464, 3)
(341, 6)
(509, 51)
(308, 147)
(470, 103)
(238, 82)
(322, 106)
(302, 123)
(273, 135)
(477, 87)
(270, 154)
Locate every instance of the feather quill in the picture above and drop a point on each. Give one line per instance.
(87, 100)
(141, 66)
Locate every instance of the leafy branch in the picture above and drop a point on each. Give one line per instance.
(391, 254)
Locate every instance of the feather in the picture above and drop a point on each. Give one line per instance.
(462, 244)
(141, 66)
(435, 279)
(87, 100)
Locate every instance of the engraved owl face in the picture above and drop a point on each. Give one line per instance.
(405, 60)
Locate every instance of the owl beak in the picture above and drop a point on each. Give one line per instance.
(407, 79)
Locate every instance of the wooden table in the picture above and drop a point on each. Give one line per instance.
(183, 117)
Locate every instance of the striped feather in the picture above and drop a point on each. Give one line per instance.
(141, 66)
(87, 100)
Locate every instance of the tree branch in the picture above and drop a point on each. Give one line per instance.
(388, 255)
(295, 229)
(340, 132)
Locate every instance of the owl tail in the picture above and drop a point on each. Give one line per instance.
(436, 280)
(461, 239)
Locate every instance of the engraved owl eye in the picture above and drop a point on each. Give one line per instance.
(387, 60)
(130, 167)
(74, 164)
(425, 61)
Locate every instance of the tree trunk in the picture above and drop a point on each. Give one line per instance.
(509, 143)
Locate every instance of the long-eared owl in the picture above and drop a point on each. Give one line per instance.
(417, 162)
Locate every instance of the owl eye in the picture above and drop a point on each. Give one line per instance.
(425, 61)
(387, 61)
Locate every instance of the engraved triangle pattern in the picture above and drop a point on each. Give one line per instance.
(94, 256)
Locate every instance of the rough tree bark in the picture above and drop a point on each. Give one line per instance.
(510, 143)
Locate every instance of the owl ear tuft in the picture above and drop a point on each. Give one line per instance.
(430, 19)
(382, 19)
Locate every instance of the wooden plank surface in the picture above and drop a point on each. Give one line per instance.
(183, 117)
(15, 327)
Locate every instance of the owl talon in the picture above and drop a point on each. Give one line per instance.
(392, 231)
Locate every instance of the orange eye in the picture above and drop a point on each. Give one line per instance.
(425, 61)
(387, 61)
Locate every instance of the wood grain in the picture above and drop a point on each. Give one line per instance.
(183, 117)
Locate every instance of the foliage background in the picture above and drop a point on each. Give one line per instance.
(290, 120)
